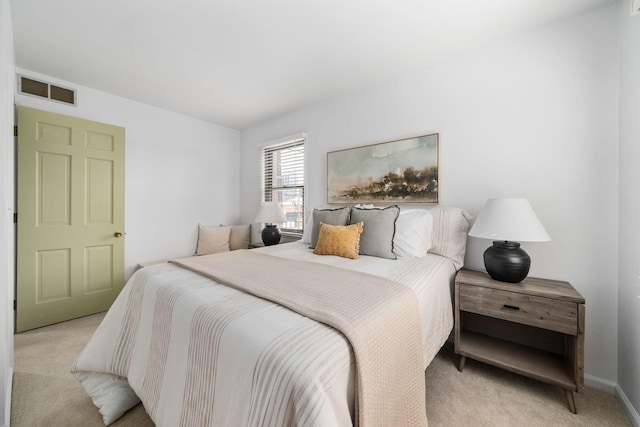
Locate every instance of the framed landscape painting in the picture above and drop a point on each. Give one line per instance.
(397, 171)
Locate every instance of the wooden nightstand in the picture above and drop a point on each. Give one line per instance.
(534, 328)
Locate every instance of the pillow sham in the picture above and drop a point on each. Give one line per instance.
(449, 238)
(338, 216)
(212, 240)
(413, 233)
(379, 230)
(339, 240)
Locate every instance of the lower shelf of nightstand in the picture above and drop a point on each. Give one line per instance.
(528, 361)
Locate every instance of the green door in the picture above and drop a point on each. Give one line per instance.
(70, 254)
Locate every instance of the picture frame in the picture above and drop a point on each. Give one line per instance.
(400, 171)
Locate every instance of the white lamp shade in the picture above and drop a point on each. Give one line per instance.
(271, 213)
(510, 220)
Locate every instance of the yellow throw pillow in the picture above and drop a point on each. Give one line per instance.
(340, 240)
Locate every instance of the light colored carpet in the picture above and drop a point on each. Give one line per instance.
(46, 394)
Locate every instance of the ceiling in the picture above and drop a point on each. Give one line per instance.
(240, 62)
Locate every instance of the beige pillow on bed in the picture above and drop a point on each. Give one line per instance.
(339, 240)
(240, 237)
(212, 240)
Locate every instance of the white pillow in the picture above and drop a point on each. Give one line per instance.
(308, 229)
(450, 227)
(414, 228)
(212, 240)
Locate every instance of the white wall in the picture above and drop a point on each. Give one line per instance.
(629, 291)
(533, 116)
(180, 171)
(7, 85)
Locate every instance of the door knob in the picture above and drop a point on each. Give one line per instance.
(117, 234)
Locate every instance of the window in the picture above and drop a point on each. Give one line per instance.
(283, 181)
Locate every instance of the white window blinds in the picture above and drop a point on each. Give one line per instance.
(283, 181)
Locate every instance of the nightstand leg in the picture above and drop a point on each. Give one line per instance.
(461, 364)
(570, 400)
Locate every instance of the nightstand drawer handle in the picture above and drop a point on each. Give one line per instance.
(511, 307)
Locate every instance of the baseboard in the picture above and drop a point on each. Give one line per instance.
(628, 407)
(7, 404)
(600, 384)
(613, 388)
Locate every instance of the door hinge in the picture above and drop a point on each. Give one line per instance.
(15, 305)
(15, 217)
(15, 131)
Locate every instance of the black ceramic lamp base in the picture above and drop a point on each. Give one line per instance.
(507, 262)
(270, 235)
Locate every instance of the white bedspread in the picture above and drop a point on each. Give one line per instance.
(273, 366)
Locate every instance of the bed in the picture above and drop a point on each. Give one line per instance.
(199, 352)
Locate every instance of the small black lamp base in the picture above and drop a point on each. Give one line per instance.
(507, 262)
(270, 235)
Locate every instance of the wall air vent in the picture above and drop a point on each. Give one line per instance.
(46, 90)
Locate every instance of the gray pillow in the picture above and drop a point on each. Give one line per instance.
(379, 230)
(328, 216)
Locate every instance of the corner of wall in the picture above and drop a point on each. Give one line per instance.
(613, 388)
(7, 95)
(628, 407)
(628, 389)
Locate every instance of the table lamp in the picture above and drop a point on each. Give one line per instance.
(269, 214)
(506, 221)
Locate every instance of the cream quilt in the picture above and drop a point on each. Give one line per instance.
(197, 352)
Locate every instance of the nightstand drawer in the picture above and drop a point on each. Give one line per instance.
(546, 313)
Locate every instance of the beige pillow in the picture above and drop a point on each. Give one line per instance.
(240, 237)
(212, 240)
(339, 240)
